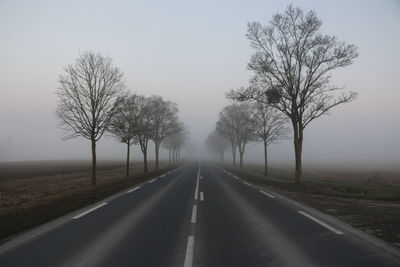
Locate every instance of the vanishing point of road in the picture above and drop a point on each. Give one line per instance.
(197, 215)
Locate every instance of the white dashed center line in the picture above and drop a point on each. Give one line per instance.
(189, 252)
(194, 214)
(190, 243)
(196, 192)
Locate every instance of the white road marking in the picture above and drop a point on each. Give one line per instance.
(189, 252)
(201, 177)
(134, 189)
(152, 180)
(196, 192)
(237, 178)
(246, 183)
(194, 214)
(201, 196)
(336, 231)
(267, 194)
(162, 176)
(89, 211)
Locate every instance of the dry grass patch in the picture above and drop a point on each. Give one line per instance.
(363, 199)
(29, 201)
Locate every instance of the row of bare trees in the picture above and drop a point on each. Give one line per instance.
(140, 119)
(93, 100)
(241, 123)
(292, 66)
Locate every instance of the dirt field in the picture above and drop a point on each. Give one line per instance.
(45, 190)
(33, 169)
(367, 200)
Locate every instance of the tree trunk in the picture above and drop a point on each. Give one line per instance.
(298, 145)
(265, 158)
(127, 159)
(233, 156)
(157, 146)
(298, 149)
(94, 163)
(145, 161)
(241, 153)
(169, 156)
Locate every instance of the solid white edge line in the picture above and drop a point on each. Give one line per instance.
(201, 196)
(134, 189)
(237, 178)
(336, 231)
(194, 214)
(152, 180)
(267, 194)
(189, 252)
(89, 211)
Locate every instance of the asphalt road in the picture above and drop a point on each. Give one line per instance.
(197, 215)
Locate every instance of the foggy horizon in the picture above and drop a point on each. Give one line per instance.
(192, 54)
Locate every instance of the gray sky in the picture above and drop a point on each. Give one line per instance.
(192, 52)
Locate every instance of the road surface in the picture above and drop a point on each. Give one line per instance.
(196, 215)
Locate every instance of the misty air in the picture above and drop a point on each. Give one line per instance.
(213, 133)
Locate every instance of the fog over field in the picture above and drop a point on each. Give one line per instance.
(192, 53)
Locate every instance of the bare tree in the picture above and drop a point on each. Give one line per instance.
(245, 128)
(125, 123)
(163, 118)
(236, 124)
(177, 141)
(144, 130)
(270, 127)
(216, 143)
(170, 141)
(293, 61)
(167, 144)
(89, 92)
(226, 127)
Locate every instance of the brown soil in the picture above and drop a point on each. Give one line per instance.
(377, 217)
(26, 202)
(373, 207)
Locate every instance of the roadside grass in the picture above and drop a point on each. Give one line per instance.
(363, 199)
(32, 201)
(33, 169)
(326, 184)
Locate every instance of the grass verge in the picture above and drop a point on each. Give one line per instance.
(373, 207)
(30, 202)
